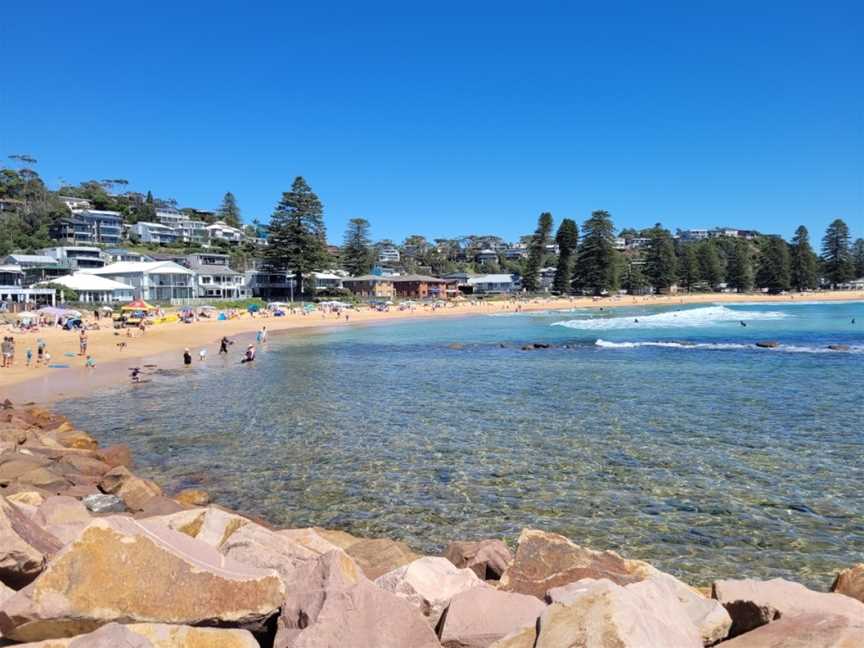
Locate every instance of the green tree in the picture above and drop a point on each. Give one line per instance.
(229, 212)
(837, 253)
(537, 253)
(739, 266)
(858, 257)
(596, 268)
(634, 280)
(567, 239)
(689, 267)
(803, 261)
(661, 266)
(357, 254)
(297, 240)
(710, 264)
(774, 265)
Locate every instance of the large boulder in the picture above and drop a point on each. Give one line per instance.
(480, 616)
(254, 545)
(134, 491)
(153, 635)
(117, 455)
(711, 619)
(746, 599)
(332, 604)
(310, 538)
(212, 525)
(808, 630)
(547, 560)
(486, 558)
(602, 614)
(524, 638)
(24, 546)
(850, 582)
(377, 556)
(429, 584)
(131, 570)
(63, 517)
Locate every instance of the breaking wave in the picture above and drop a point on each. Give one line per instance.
(725, 346)
(705, 316)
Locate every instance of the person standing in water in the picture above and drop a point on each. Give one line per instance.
(223, 345)
(187, 357)
(249, 356)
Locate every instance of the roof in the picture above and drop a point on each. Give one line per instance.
(135, 267)
(11, 268)
(212, 269)
(417, 278)
(33, 258)
(490, 278)
(325, 275)
(152, 225)
(81, 281)
(368, 277)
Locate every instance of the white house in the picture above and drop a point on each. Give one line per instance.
(220, 231)
(95, 289)
(490, 284)
(388, 254)
(214, 279)
(13, 291)
(154, 233)
(152, 280)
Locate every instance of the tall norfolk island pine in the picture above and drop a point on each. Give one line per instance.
(567, 239)
(537, 252)
(297, 236)
(595, 262)
(661, 262)
(837, 253)
(803, 262)
(357, 256)
(774, 265)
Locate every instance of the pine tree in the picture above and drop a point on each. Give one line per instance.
(297, 236)
(229, 212)
(567, 239)
(774, 266)
(357, 255)
(837, 253)
(596, 269)
(710, 264)
(739, 266)
(689, 268)
(803, 261)
(661, 266)
(858, 257)
(537, 253)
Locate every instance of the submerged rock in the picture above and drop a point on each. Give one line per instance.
(838, 347)
(768, 344)
(136, 571)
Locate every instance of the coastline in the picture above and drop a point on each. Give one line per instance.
(163, 344)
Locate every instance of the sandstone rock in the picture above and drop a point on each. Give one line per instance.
(786, 597)
(486, 558)
(13, 465)
(341, 539)
(850, 582)
(193, 497)
(153, 635)
(711, 619)
(63, 517)
(808, 630)
(114, 479)
(99, 503)
(524, 638)
(159, 505)
(377, 556)
(71, 438)
(120, 568)
(429, 584)
(82, 465)
(117, 455)
(481, 616)
(211, 525)
(333, 605)
(546, 560)
(24, 547)
(254, 545)
(28, 498)
(602, 614)
(309, 538)
(134, 491)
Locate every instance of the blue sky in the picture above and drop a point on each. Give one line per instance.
(453, 118)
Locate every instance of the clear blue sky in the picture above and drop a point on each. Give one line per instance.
(454, 118)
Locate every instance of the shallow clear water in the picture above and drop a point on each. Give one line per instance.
(674, 439)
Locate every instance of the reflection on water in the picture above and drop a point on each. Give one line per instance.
(709, 462)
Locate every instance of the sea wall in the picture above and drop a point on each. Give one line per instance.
(92, 555)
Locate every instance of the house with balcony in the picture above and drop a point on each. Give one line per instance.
(486, 256)
(105, 226)
(13, 293)
(76, 257)
(152, 280)
(370, 286)
(157, 233)
(388, 254)
(493, 284)
(36, 267)
(92, 289)
(220, 231)
(272, 285)
(214, 279)
(419, 287)
(71, 229)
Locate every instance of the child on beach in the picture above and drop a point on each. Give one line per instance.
(91, 363)
(82, 343)
(202, 355)
(29, 357)
(187, 357)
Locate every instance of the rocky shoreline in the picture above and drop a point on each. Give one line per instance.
(93, 556)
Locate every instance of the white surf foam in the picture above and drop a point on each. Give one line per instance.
(693, 317)
(725, 346)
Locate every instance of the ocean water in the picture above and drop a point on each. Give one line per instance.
(671, 438)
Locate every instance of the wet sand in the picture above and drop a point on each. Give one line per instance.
(163, 344)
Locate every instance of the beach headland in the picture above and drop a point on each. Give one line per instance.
(92, 554)
(115, 353)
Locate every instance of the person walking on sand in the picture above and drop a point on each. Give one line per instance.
(82, 343)
(40, 351)
(6, 350)
(29, 357)
(187, 357)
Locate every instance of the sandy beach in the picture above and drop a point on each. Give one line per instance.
(163, 344)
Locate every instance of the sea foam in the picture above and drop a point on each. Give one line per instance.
(693, 317)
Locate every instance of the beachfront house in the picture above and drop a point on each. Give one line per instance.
(493, 284)
(272, 285)
(152, 280)
(121, 254)
(326, 281)
(14, 295)
(76, 257)
(94, 289)
(36, 267)
(214, 279)
(148, 232)
(419, 287)
(220, 231)
(104, 226)
(370, 286)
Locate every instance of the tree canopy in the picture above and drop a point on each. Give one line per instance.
(803, 262)
(567, 239)
(537, 252)
(596, 267)
(837, 253)
(357, 253)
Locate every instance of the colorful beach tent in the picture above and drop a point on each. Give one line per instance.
(138, 305)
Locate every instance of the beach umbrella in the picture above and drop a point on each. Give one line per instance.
(138, 305)
(253, 308)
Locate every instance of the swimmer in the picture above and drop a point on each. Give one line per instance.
(742, 323)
